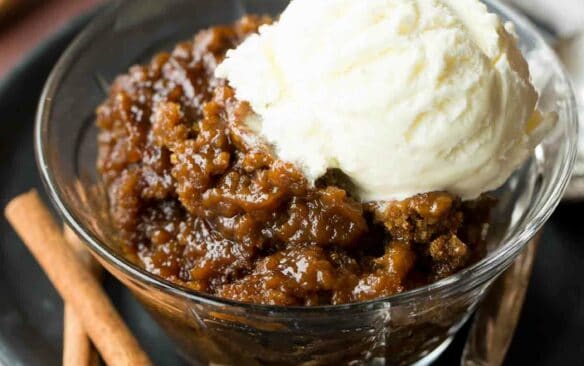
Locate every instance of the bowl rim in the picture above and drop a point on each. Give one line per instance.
(472, 276)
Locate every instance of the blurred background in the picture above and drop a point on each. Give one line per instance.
(25, 23)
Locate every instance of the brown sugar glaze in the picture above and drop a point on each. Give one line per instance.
(201, 201)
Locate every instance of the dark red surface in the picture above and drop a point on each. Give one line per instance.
(21, 35)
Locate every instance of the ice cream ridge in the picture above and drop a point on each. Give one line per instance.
(403, 96)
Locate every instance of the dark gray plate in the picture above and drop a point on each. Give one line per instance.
(550, 331)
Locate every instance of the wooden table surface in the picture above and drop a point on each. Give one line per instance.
(22, 34)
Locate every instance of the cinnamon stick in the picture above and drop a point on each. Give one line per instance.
(76, 285)
(77, 348)
(81, 251)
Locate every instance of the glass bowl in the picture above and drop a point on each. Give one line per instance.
(411, 327)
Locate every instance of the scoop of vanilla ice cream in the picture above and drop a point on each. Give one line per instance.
(403, 96)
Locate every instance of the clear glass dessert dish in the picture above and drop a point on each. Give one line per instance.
(410, 327)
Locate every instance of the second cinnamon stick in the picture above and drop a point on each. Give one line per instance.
(77, 348)
(77, 286)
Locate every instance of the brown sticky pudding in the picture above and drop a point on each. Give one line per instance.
(201, 201)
